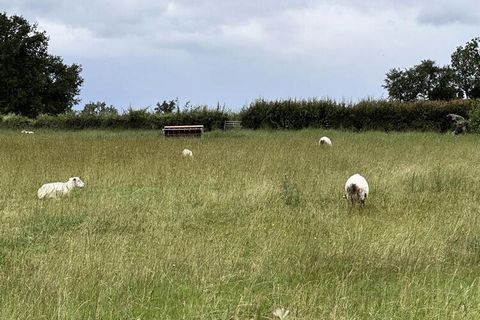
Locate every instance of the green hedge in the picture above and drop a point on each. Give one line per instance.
(280, 114)
(474, 125)
(133, 119)
(365, 115)
(13, 121)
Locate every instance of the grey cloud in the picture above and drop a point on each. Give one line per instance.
(140, 51)
(445, 12)
(446, 16)
(110, 18)
(107, 18)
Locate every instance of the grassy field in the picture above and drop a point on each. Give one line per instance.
(254, 221)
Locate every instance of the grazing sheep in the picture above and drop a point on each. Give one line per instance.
(325, 141)
(187, 153)
(27, 132)
(59, 189)
(356, 190)
(459, 122)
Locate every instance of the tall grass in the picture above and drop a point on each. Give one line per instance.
(253, 222)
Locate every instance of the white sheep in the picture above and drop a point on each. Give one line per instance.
(59, 189)
(356, 190)
(325, 141)
(187, 153)
(27, 132)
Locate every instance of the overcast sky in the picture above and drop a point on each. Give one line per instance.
(137, 52)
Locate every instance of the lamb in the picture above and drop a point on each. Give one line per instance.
(187, 153)
(356, 190)
(56, 190)
(325, 141)
(27, 132)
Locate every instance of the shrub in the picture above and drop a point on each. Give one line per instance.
(48, 122)
(132, 119)
(278, 114)
(14, 121)
(364, 115)
(474, 116)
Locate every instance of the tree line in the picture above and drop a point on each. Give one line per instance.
(428, 81)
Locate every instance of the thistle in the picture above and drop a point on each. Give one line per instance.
(281, 313)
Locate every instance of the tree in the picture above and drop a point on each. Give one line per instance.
(98, 109)
(446, 87)
(31, 80)
(466, 65)
(425, 81)
(166, 107)
(401, 85)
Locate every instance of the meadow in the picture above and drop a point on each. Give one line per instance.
(254, 221)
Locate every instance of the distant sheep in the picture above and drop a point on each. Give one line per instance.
(59, 189)
(187, 153)
(325, 141)
(356, 190)
(27, 132)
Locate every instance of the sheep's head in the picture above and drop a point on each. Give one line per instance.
(77, 182)
(362, 196)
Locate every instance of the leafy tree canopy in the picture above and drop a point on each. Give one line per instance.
(425, 81)
(31, 80)
(466, 65)
(98, 109)
(166, 107)
(428, 81)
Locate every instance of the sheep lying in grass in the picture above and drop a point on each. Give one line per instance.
(356, 190)
(59, 189)
(187, 153)
(27, 132)
(325, 141)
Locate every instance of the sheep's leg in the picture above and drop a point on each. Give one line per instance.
(352, 204)
(347, 201)
(349, 205)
